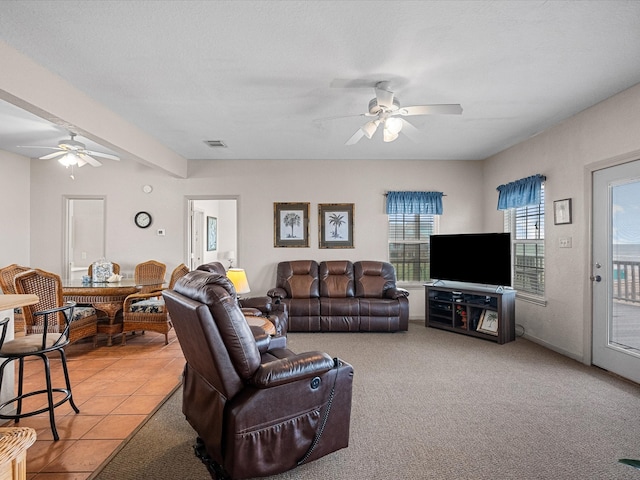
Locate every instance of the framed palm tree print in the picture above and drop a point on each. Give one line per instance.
(336, 225)
(291, 224)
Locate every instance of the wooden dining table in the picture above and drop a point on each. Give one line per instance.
(107, 297)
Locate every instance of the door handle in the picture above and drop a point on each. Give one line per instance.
(596, 278)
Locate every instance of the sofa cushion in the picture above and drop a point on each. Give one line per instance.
(299, 278)
(336, 279)
(373, 278)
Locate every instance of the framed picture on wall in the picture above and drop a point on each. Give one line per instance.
(336, 225)
(562, 211)
(212, 234)
(291, 224)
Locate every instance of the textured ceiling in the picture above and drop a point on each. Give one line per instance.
(257, 74)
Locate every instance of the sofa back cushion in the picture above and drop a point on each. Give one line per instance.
(373, 278)
(299, 278)
(336, 279)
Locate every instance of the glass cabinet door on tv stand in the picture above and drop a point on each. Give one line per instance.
(484, 312)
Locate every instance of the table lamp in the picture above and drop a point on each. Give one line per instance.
(239, 279)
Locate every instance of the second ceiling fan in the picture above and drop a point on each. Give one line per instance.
(70, 152)
(386, 110)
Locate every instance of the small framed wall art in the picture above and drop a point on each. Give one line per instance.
(562, 211)
(291, 224)
(212, 234)
(336, 225)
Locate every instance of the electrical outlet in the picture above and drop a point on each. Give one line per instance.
(565, 242)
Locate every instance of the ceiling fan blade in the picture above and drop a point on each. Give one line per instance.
(103, 155)
(337, 117)
(440, 109)
(410, 131)
(355, 138)
(90, 160)
(397, 82)
(53, 155)
(81, 162)
(352, 83)
(384, 95)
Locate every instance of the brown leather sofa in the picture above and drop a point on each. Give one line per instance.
(257, 306)
(341, 296)
(257, 411)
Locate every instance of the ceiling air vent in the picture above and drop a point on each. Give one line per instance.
(215, 143)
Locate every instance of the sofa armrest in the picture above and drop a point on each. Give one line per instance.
(259, 303)
(277, 293)
(396, 292)
(291, 369)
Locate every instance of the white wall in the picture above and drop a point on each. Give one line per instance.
(258, 184)
(15, 211)
(566, 154)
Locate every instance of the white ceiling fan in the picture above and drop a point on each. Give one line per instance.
(72, 152)
(386, 110)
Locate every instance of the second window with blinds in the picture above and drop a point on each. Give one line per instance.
(409, 245)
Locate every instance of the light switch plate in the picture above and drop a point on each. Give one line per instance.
(565, 242)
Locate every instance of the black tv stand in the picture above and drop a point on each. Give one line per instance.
(484, 312)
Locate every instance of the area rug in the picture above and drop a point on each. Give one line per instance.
(431, 404)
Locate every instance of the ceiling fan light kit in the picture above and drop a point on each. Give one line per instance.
(386, 108)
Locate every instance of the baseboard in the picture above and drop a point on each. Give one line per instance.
(554, 348)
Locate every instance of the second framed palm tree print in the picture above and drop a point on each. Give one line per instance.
(336, 225)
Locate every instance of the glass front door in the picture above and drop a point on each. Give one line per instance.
(616, 270)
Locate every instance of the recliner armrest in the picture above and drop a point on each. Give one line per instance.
(396, 292)
(292, 369)
(262, 304)
(277, 292)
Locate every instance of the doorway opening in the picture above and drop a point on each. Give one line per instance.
(84, 231)
(212, 230)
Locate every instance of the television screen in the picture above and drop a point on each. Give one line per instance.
(483, 258)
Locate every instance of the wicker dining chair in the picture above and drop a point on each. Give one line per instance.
(146, 311)
(48, 287)
(7, 274)
(149, 275)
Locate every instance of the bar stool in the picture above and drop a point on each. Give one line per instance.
(40, 345)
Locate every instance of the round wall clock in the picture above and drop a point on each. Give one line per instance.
(143, 219)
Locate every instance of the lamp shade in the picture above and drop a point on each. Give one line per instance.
(239, 279)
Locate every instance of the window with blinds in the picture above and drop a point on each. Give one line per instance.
(409, 245)
(526, 225)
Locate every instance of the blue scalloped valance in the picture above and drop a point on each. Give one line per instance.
(414, 203)
(520, 193)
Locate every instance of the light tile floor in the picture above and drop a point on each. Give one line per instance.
(116, 389)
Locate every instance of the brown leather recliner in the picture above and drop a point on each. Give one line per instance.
(258, 411)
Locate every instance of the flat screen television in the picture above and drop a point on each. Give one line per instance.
(483, 258)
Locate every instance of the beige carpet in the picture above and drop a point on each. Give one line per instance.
(430, 404)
